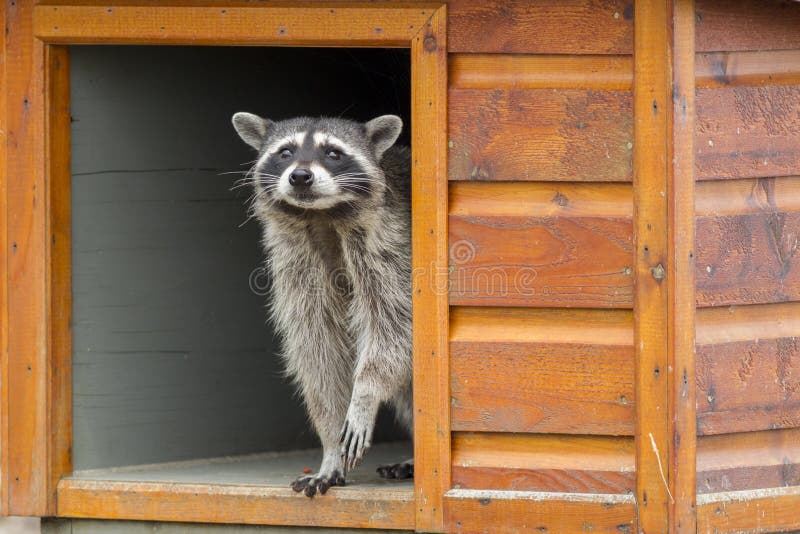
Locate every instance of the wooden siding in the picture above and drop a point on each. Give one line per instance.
(543, 462)
(544, 371)
(540, 134)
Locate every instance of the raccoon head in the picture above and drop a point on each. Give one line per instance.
(317, 163)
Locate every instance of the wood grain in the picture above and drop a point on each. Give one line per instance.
(543, 462)
(516, 71)
(429, 263)
(539, 370)
(747, 241)
(653, 259)
(4, 279)
(538, 134)
(680, 271)
(752, 460)
(28, 296)
(725, 69)
(208, 503)
(471, 511)
(541, 27)
(724, 25)
(773, 510)
(59, 269)
(540, 244)
(197, 23)
(746, 358)
(748, 132)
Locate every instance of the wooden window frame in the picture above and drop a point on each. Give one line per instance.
(36, 267)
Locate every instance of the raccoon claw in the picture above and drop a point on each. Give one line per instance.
(354, 443)
(311, 484)
(399, 471)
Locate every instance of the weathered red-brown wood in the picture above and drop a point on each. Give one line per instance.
(507, 512)
(540, 244)
(764, 510)
(539, 370)
(543, 462)
(528, 71)
(653, 261)
(680, 271)
(541, 27)
(540, 134)
(725, 69)
(748, 132)
(747, 241)
(747, 25)
(751, 460)
(746, 368)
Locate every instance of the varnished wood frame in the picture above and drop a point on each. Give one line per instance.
(37, 455)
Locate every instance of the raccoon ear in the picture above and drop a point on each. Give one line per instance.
(251, 128)
(383, 131)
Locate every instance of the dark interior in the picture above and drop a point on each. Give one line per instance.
(173, 356)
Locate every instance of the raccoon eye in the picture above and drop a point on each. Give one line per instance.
(333, 154)
(285, 153)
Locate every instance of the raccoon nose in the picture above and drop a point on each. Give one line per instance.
(301, 178)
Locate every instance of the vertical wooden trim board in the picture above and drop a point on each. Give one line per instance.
(28, 309)
(3, 275)
(430, 257)
(680, 273)
(59, 275)
(651, 108)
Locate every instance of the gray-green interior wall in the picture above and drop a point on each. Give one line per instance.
(173, 355)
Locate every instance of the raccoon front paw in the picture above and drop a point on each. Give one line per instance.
(355, 440)
(400, 471)
(311, 484)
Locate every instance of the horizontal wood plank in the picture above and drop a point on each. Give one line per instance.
(747, 132)
(746, 361)
(542, 27)
(725, 69)
(750, 460)
(539, 134)
(471, 511)
(747, 25)
(540, 244)
(539, 370)
(747, 241)
(232, 23)
(543, 462)
(769, 510)
(207, 503)
(514, 71)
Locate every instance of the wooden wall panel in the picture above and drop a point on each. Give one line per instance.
(511, 512)
(539, 370)
(749, 511)
(748, 132)
(747, 361)
(543, 462)
(752, 460)
(540, 134)
(540, 244)
(747, 25)
(747, 241)
(540, 26)
(724, 69)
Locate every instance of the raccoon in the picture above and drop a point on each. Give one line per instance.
(333, 198)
